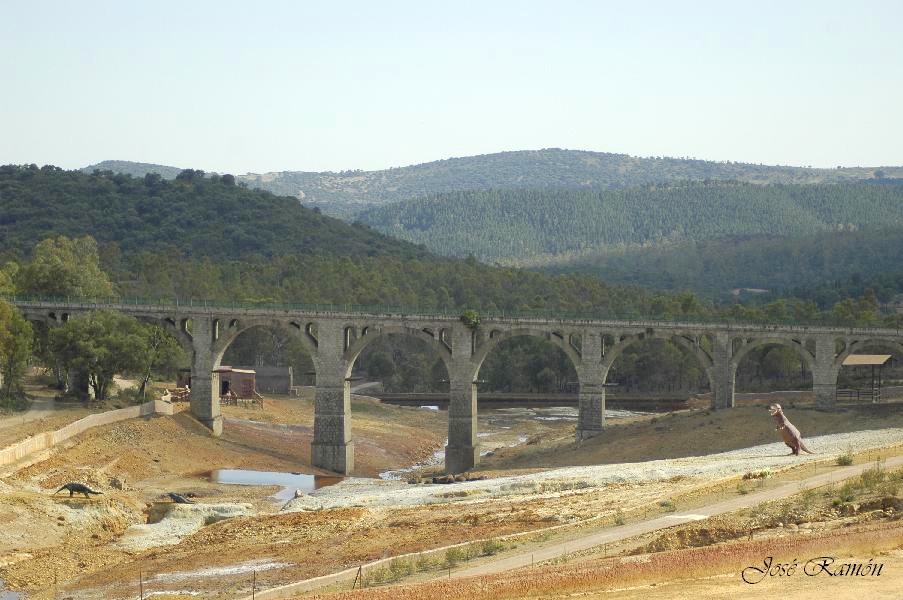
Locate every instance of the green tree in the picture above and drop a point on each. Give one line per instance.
(868, 306)
(101, 344)
(63, 267)
(844, 311)
(780, 363)
(7, 278)
(545, 380)
(15, 351)
(777, 310)
(380, 366)
(159, 353)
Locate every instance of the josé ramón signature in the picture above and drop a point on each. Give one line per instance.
(821, 565)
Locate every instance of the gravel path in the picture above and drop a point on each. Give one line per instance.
(614, 534)
(708, 468)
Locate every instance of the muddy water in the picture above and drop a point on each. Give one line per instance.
(290, 482)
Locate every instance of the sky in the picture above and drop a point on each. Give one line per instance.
(311, 86)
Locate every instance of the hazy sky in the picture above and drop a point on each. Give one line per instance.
(264, 86)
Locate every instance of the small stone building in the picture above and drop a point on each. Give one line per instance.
(273, 380)
(241, 382)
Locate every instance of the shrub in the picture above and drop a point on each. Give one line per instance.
(426, 562)
(870, 478)
(808, 497)
(847, 493)
(471, 319)
(131, 395)
(490, 547)
(845, 459)
(14, 403)
(376, 576)
(401, 567)
(453, 556)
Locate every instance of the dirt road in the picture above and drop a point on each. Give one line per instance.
(633, 529)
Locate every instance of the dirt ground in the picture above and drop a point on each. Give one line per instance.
(687, 574)
(57, 546)
(688, 433)
(45, 538)
(44, 414)
(719, 557)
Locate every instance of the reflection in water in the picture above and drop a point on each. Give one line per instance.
(289, 481)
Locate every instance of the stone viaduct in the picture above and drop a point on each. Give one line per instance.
(335, 338)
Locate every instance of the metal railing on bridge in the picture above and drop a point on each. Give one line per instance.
(454, 313)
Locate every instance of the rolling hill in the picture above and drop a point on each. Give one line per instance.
(205, 237)
(520, 226)
(346, 193)
(200, 216)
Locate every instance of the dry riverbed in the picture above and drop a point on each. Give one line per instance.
(96, 548)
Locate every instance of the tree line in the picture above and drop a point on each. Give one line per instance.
(714, 268)
(95, 346)
(520, 225)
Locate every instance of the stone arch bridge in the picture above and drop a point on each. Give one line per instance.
(335, 338)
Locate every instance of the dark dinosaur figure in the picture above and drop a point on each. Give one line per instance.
(77, 488)
(789, 433)
(178, 498)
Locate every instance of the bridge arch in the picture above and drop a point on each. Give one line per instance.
(850, 378)
(857, 346)
(748, 346)
(689, 346)
(802, 348)
(372, 333)
(227, 331)
(562, 340)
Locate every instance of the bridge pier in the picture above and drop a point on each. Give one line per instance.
(824, 372)
(463, 451)
(204, 382)
(591, 394)
(332, 448)
(723, 372)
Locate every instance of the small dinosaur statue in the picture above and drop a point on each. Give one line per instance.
(178, 498)
(77, 488)
(790, 434)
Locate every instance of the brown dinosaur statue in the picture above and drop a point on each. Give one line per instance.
(789, 433)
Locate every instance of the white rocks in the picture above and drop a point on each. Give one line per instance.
(170, 522)
(773, 457)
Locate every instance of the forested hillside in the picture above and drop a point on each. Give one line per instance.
(347, 192)
(714, 267)
(201, 237)
(519, 226)
(206, 238)
(199, 216)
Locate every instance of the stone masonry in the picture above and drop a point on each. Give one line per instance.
(335, 339)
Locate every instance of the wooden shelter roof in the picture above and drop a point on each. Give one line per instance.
(856, 360)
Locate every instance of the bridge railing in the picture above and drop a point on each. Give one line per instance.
(453, 313)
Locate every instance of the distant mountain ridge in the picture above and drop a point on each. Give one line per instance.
(135, 169)
(521, 226)
(346, 193)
